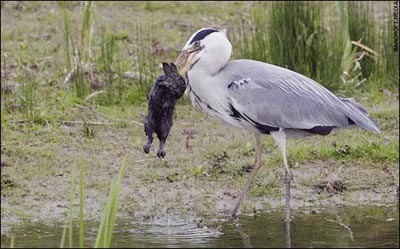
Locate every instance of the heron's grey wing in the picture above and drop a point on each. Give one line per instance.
(278, 97)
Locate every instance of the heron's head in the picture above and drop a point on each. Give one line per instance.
(207, 48)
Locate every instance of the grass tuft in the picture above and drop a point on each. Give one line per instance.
(28, 94)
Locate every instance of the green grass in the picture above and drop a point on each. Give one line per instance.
(81, 205)
(63, 236)
(303, 45)
(106, 228)
(71, 209)
(28, 95)
(363, 28)
(319, 49)
(78, 55)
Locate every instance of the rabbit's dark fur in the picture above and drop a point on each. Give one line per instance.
(162, 99)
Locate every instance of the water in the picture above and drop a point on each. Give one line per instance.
(332, 227)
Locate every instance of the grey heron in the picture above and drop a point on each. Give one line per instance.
(262, 98)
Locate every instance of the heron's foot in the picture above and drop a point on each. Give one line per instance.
(288, 176)
(234, 215)
(284, 176)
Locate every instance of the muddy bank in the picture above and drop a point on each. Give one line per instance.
(202, 173)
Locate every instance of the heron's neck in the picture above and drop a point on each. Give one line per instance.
(206, 68)
(206, 89)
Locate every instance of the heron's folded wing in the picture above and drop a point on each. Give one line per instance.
(278, 97)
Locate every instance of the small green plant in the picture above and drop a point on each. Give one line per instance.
(28, 94)
(89, 130)
(197, 170)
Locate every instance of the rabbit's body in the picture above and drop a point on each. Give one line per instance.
(167, 89)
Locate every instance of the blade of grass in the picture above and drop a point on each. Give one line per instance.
(67, 32)
(63, 237)
(81, 222)
(87, 31)
(71, 208)
(106, 228)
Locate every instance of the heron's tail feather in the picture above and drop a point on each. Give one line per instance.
(359, 115)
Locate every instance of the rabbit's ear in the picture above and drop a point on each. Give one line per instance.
(173, 68)
(167, 69)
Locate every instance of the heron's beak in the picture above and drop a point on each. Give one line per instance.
(182, 62)
(185, 60)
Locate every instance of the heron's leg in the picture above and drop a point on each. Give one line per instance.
(280, 139)
(251, 177)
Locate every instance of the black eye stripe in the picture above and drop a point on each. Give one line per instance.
(200, 35)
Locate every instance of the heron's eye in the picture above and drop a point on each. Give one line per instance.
(196, 43)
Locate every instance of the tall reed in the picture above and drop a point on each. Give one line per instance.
(71, 209)
(28, 93)
(388, 73)
(68, 49)
(106, 228)
(79, 57)
(350, 73)
(81, 204)
(144, 59)
(362, 27)
(109, 67)
(87, 32)
(291, 35)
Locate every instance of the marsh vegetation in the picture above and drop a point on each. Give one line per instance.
(74, 83)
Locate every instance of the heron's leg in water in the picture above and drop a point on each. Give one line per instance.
(280, 139)
(251, 177)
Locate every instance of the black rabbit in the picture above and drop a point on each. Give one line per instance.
(162, 99)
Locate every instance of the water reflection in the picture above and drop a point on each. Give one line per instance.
(245, 237)
(341, 227)
(288, 239)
